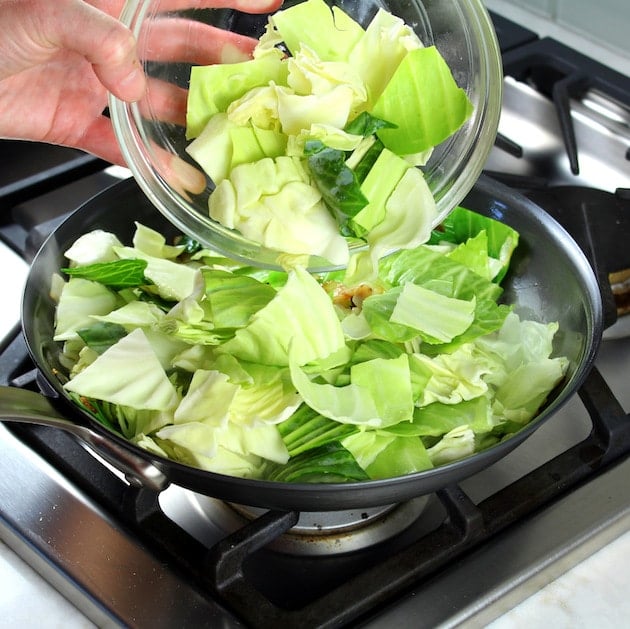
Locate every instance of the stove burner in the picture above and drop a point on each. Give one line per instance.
(320, 533)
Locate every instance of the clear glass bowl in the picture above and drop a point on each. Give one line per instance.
(152, 136)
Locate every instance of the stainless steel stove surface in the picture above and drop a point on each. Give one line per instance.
(128, 556)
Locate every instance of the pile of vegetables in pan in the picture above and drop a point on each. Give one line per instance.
(399, 363)
(301, 377)
(317, 141)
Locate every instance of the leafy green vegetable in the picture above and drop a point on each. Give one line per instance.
(330, 463)
(331, 33)
(117, 274)
(379, 393)
(306, 429)
(366, 124)
(338, 184)
(435, 316)
(133, 376)
(212, 88)
(80, 299)
(355, 107)
(234, 299)
(500, 240)
(422, 266)
(102, 336)
(294, 377)
(93, 247)
(272, 201)
(300, 324)
(384, 455)
(378, 186)
(423, 101)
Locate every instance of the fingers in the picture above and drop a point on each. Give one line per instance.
(102, 40)
(247, 6)
(180, 175)
(250, 6)
(183, 40)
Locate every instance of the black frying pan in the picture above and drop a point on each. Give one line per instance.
(551, 281)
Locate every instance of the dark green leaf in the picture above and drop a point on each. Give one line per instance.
(306, 429)
(152, 297)
(375, 348)
(96, 410)
(102, 335)
(368, 160)
(337, 183)
(330, 463)
(190, 244)
(366, 124)
(116, 274)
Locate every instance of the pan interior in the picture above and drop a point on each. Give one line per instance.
(551, 281)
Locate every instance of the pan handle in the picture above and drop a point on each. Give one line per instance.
(24, 406)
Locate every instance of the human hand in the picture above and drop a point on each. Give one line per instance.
(59, 60)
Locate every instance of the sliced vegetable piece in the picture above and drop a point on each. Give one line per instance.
(135, 314)
(300, 318)
(330, 463)
(116, 274)
(432, 269)
(378, 186)
(272, 202)
(403, 455)
(379, 393)
(409, 216)
(449, 378)
(337, 183)
(331, 33)
(173, 281)
(101, 336)
(154, 244)
(116, 377)
(434, 315)
(437, 419)
(306, 429)
(95, 246)
(377, 54)
(298, 113)
(212, 148)
(233, 299)
(454, 445)
(78, 301)
(214, 87)
(423, 101)
(462, 224)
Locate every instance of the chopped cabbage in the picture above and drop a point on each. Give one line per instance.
(247, 118)
(291, 376)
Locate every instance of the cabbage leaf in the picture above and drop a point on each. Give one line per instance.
(129, 374)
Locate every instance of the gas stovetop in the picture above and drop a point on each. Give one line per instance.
(130, 556)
